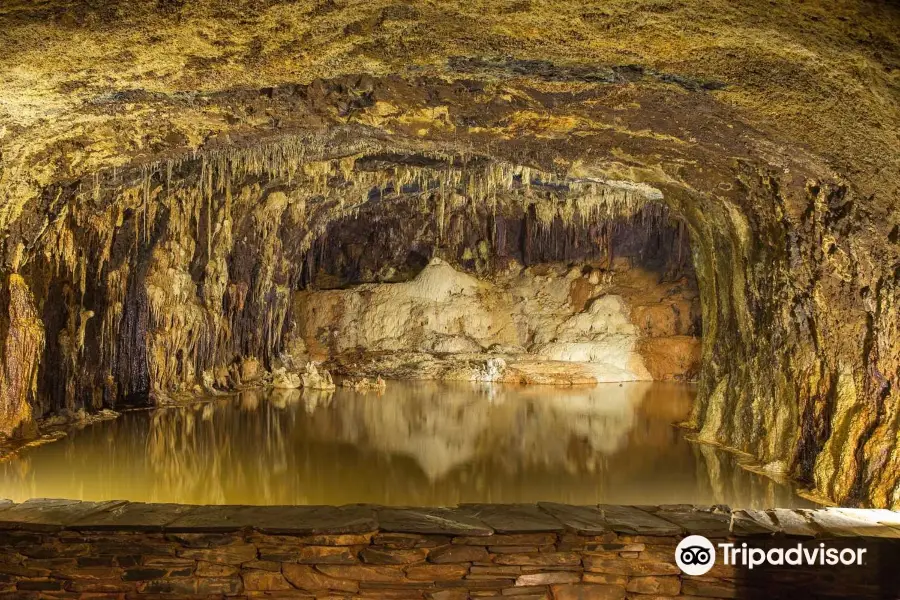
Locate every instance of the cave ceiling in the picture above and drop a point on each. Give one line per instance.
(669, 94)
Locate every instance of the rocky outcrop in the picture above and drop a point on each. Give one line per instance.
(518, 326)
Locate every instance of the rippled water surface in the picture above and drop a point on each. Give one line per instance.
(416, 444)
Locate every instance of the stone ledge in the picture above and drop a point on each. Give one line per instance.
(472, 520)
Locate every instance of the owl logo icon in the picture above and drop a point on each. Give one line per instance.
(695, 555)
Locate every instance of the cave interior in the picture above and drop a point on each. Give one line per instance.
(528, 216)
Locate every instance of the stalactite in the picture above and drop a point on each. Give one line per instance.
(210, 235)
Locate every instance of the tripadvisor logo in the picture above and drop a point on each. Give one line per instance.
(696, 555)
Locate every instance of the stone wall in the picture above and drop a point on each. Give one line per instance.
(72, 549)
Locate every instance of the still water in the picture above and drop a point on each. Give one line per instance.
(415, 444)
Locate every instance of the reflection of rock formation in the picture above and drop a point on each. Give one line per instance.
(442, 430)
(419, 443)
(438, 427)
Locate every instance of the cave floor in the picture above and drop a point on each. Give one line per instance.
(413, 443)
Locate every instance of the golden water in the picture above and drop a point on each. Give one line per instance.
(416, 444)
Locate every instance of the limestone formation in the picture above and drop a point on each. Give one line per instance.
(534, 321)
(173, 173)
(284, 380)
(314, 379)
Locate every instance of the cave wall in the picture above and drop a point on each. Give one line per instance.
(800, 355)
(178, 279)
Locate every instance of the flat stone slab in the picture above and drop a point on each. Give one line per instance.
(837, 524)
(134, 516)
(431, 521)
(50, 515)
(302, 520)
(586, 520)
(699, 522)
(882, 516)
(515, 518)
(634, 521)
(472, 524)
(752, 523)
(792, 523)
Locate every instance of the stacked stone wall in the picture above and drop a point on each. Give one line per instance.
(119, 550)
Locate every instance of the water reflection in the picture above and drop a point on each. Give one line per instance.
(416, 444)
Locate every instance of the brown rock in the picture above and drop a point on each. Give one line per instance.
(448, 595)
(616, 547)
(183, 586)
(231, 555)
(456, 554)
(433, 572)
(167, 562)
(493, 572)
(479, 584)
(588, 591)
(264, 581)
(409, 540)
(385, 556)
(308, 578)
(208, 569)
(391, 594)
(527, 591)
(668, 358)
(605, 578)
(332, 555)
(692, 586)
(346, 539)
(540, 559)
(516, 549)
(265, 565)
(143, 574)
(666, 586)
(42, 584)
(363, 572)
(548, 578)
(519, 539)
(628, 566)
(100, 587)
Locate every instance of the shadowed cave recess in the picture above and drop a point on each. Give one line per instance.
(488, 216)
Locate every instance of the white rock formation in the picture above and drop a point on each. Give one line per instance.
(282, 379)
(535, 321)
(313, 379)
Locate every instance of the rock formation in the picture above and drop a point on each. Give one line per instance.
(170, 173)
(550, 325)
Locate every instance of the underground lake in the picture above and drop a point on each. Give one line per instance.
(412, 444)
